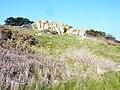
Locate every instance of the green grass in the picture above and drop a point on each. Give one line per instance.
(35, 26)
(107, 81)
(106, 51)
(57, 44)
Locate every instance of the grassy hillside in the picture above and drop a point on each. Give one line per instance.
(57, 44)
(56, 62)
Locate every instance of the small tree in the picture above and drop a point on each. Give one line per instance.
(17, 21)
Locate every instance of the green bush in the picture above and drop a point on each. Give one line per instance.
(92, 32)
(110, 37)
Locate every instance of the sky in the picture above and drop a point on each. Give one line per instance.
(101, 15)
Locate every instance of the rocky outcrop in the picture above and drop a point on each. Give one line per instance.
(60, 28)
(48, 25)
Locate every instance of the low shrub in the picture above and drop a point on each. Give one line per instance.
(14, 39)
(92, 32)
(110, 37)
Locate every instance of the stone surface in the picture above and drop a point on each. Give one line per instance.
(60, 28)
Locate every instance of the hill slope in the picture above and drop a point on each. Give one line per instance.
(54, 62)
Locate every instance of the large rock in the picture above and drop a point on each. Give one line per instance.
(44, 24)
(60, 28)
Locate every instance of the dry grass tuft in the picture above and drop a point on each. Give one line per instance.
(18, 68)
(83, 57)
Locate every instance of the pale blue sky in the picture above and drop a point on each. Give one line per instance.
(103, 15)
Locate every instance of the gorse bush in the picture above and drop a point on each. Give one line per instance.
(5, 33)
(11, 38)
